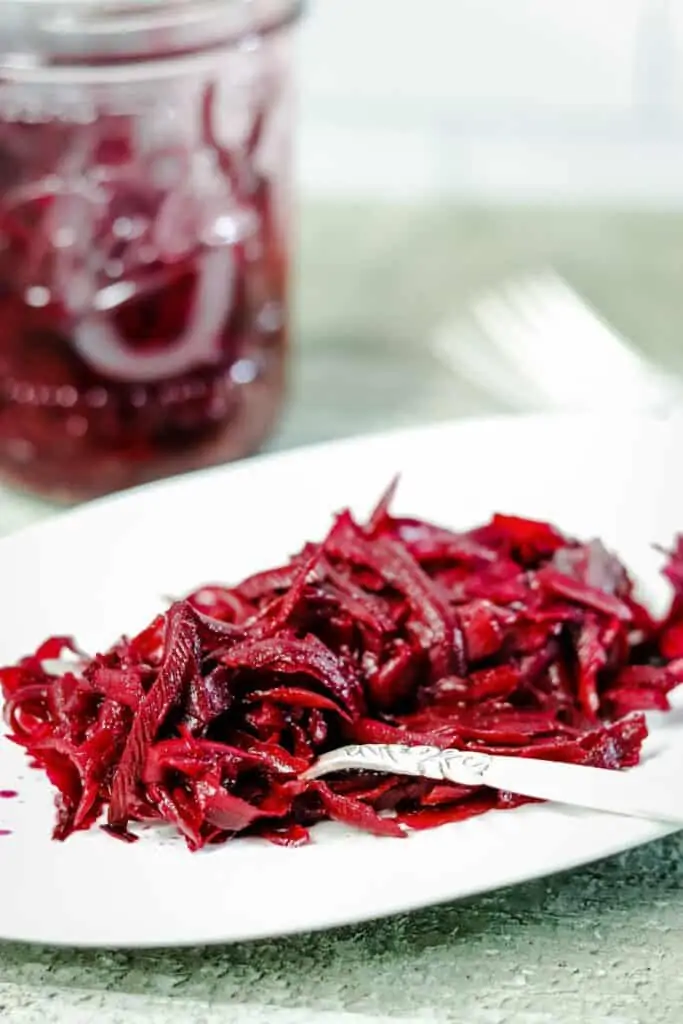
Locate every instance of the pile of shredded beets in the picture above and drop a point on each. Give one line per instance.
(510, 638)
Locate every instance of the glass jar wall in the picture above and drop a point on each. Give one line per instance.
(144, 207)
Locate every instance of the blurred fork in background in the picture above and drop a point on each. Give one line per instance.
(534, 344)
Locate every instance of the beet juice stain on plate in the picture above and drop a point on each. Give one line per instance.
(7, 794)
(143, 239)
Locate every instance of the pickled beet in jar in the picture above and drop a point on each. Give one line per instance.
(144, 208)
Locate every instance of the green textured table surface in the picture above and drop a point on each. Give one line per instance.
(603, 945)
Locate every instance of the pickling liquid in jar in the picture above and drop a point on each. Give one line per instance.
(144, 203)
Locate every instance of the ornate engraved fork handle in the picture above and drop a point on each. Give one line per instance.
(619, 792)
(463, 767)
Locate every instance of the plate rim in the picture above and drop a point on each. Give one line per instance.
(92, 510)
(264, 459)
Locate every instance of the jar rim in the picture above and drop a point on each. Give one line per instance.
(93, 33)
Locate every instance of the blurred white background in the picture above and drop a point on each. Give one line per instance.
(517, 100)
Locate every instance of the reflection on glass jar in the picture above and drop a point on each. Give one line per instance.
(144, 199)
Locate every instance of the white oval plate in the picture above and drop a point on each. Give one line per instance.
(106, 568)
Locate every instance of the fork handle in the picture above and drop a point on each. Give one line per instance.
(600, 789)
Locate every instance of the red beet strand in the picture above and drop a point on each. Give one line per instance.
(510, 638)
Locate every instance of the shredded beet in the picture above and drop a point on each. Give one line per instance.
(510, 638)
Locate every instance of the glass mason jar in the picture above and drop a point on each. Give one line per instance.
(144, 206)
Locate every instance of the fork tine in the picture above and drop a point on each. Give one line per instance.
(536, 344)
(509, 336)
(580, 361)
(559, 353)
(551, 370)
(654, 384)
(468, 352)
(553, 301)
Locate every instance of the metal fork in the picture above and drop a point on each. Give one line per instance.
(534, 344)
(634, 792)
